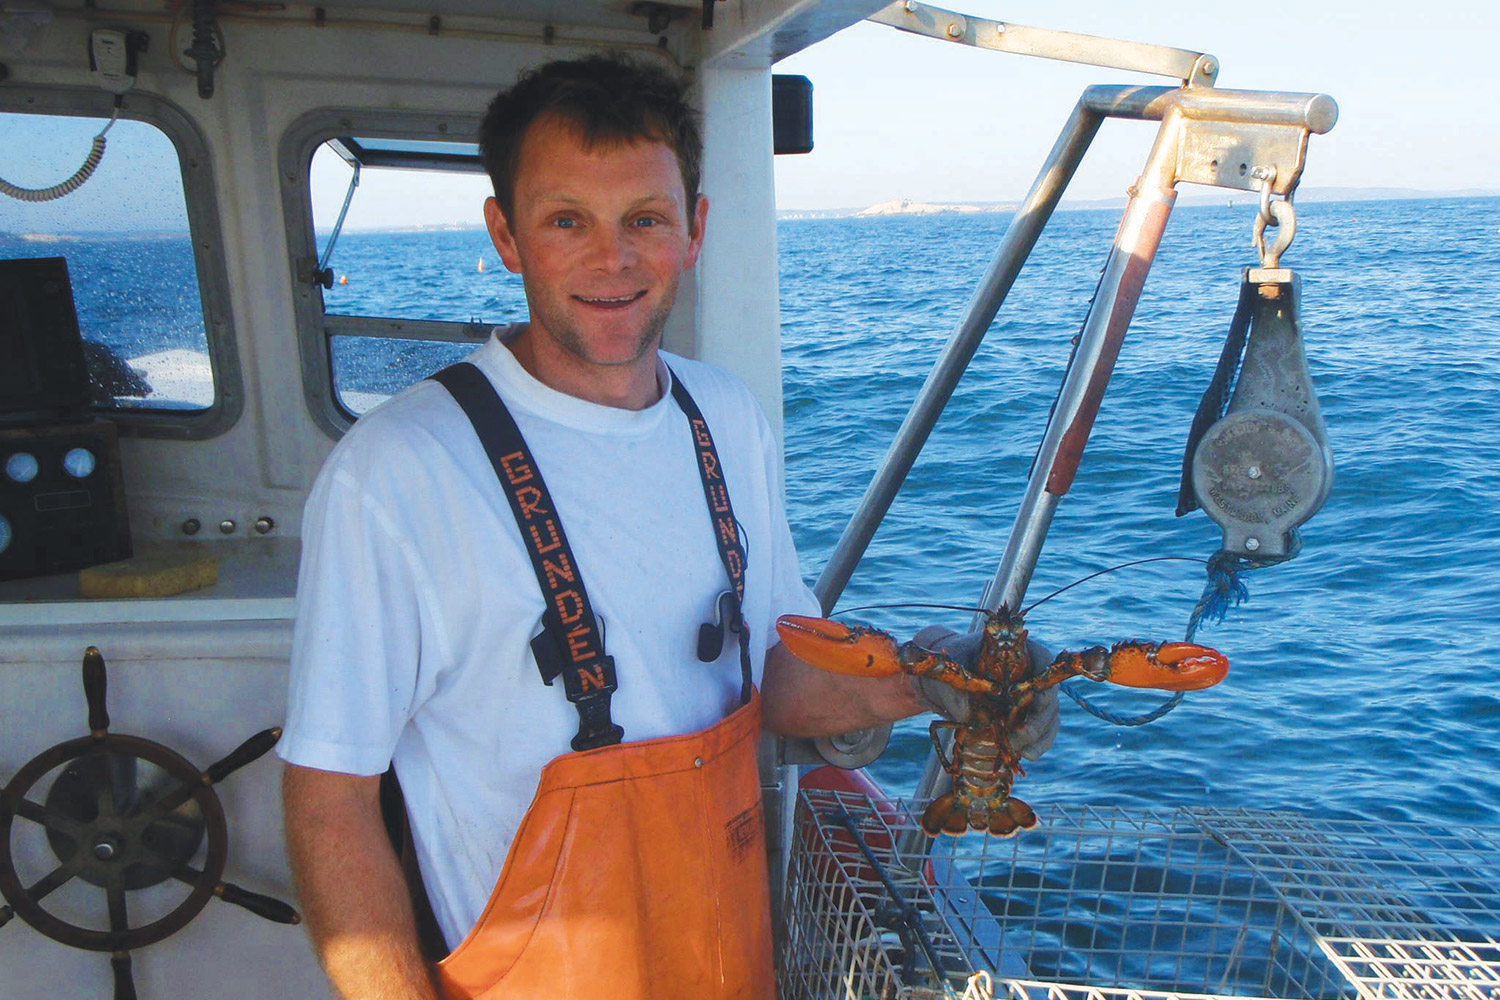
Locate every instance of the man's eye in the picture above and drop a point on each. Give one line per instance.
(565, 223)
(645, 222)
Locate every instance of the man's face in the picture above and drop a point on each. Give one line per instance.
(601, 238)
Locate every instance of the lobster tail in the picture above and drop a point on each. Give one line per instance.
(955, 816)
(1011, 818)
(945, 815)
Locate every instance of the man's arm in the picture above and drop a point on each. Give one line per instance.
(353, 894)
(800, 700)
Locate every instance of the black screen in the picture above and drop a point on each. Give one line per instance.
(42, 367)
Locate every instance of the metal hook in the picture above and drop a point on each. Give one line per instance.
(1284, 218)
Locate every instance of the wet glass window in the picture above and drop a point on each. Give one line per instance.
(370, 370)
(124, 234)
(414, 282)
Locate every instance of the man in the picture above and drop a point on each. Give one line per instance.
(602, 835)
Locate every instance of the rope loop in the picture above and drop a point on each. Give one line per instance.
(67, 187)
(1224, 590)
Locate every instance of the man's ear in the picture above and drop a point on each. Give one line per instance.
(698, 221)
(501, 236)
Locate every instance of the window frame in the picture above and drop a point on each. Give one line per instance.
(315, 327)
(200, 195)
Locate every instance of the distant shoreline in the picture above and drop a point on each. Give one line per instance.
(1190, 197)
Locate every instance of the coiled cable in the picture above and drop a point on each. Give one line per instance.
(67, 187)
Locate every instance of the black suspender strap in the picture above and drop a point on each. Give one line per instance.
(726, 528)
(570, 643)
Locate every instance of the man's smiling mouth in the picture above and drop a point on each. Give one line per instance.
(610, 301)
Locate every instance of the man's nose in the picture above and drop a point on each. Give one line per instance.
(611, 249)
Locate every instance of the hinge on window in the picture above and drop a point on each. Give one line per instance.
(308, 273)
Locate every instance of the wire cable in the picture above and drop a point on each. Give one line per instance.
(67, 187)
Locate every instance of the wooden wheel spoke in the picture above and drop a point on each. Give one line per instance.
(163, 807)
(118, 917)
(37, 813)
(104, 784)
(53, 880)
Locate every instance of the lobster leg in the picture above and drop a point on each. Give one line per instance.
(937, 744)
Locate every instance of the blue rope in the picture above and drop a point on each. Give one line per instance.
(1224, 590)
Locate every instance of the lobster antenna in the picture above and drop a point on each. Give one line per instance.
(1109, 569)
(983, 611)
(909, 604)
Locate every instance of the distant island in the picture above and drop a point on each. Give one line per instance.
(1190, 195)
(905, 206)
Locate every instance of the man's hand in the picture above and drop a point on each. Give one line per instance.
(1038, 728)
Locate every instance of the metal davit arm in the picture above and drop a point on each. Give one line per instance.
(1091, 366)
(1020, 236)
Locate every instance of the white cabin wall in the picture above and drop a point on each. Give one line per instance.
(739, 304)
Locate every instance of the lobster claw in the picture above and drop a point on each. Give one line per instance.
(1166, 666)
(855, 650)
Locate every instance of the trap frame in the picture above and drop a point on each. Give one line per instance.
(1128, 904)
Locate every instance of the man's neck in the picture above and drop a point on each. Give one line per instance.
(632, 386)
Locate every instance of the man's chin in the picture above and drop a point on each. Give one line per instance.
(621, 350)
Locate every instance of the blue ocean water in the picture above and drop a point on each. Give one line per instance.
(1366, 672)
(1364, 678)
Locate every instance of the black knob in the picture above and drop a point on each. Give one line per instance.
(243, 754)
(95, 684)
(261, 906)
(124, 981)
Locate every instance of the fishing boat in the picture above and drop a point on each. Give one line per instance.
(149, 548)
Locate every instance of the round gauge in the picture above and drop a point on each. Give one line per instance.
(79, 463)
(22, 467)
(5, 533)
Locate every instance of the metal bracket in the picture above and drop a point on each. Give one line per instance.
(1226, 155)
(1194, 69)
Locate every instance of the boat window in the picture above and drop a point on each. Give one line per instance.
(135, 250)
(399, 277)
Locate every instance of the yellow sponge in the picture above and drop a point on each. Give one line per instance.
(151, 574)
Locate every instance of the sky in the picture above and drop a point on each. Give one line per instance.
(901, 116)
(897, 115)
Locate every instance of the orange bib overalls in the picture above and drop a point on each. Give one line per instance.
(639, 871)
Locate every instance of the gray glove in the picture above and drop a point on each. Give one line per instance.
(1038, 727)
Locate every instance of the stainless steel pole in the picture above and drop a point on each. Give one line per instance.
(1315, 112)
(1135, 245)
(1020, 236)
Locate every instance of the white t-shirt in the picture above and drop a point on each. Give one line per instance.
(417, 602)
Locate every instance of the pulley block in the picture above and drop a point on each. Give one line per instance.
(1260, 464)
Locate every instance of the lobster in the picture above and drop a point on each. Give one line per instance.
(983, 763)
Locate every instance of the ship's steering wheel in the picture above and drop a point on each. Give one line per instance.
(124, 813)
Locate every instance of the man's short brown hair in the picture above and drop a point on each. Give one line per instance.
(609, 98)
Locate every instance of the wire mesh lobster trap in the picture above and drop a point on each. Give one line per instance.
(1098, 904)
